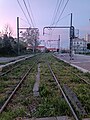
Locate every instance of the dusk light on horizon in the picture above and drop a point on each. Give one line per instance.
(43, 12)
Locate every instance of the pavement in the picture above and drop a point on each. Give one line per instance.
(9, 59)
(82, 62)
(12, 60)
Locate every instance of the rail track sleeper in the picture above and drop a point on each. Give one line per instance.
(74, 100)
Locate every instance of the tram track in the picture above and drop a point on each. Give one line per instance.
(61, 89)
(72, 72)
(15, 89)
(9, 81)
(10, 67)
(56, 90)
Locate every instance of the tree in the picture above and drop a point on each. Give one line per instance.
(31, 36)
(5, 47)
(8, 30)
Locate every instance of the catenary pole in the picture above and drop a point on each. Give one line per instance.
(71, 39)
(18, 35)
(59, 44)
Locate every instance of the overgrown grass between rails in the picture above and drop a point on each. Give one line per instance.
(8, 82)
(19, 106)
(51, 103)
(83, 93)
(65, 76)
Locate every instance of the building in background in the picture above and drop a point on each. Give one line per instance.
(79, 45)
(42, 48)
(87, 38)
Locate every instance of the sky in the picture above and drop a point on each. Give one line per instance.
(43, 12)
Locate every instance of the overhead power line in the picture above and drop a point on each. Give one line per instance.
(62, 11)
(31, 11)
(58, 8)
(23, 12)
(24, 21)
(54, 11)
(28, 12)
(65, 16)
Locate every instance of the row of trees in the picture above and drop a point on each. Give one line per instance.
(9, 45)
(31, 37)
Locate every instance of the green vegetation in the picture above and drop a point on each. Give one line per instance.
(9, 46)
(64, 74)
(50, 102)
(9, 81)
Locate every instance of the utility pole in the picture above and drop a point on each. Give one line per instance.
(71, 35)
(18, 35)
(59, 44)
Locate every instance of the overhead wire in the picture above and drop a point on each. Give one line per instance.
(23, 12)
(28, 1)
(65, 16)
(57, 11)
(24, 21)
(28, 12)
(54, 11)
(58, 4)
(62, 12)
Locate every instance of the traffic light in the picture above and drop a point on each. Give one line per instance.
(72, 32)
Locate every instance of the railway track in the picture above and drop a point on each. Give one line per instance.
(15, 89)
(9, 81)
(85, 79)
(56, 92)
(11, 66)
(75, 81)
(63, 93)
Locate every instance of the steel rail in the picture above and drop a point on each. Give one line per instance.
(15, 89)
(81, 78)
(4, 73)
(66, 98)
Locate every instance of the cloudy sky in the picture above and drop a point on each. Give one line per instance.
(44, 13)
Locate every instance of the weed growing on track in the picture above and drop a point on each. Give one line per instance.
(65, 76)
(51, 102)
(19, 106)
